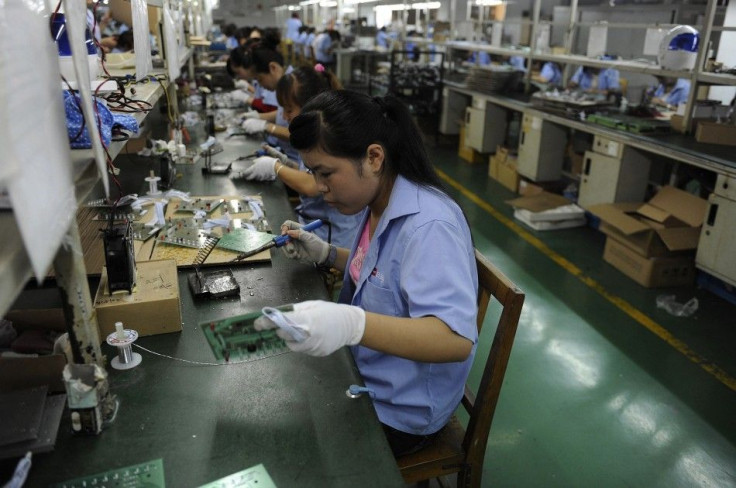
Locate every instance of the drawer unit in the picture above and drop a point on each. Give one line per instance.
(717, 242)
(608, 147)
(541, 149)
(608, 179)
(726, 187)
(485, 126)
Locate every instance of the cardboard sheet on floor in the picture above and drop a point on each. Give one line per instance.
(539, 202)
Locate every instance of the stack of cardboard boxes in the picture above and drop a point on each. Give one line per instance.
(502, 168)
(654, 243)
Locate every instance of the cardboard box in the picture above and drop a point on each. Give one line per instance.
(669, 223)
(468, 153)
(677, 122)
(650, 272)
(152, 308)
(715, 133)
(502, 168)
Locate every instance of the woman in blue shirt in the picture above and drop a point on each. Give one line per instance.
(671, 91)
(595, 79)
(294, 90)
(408, 302)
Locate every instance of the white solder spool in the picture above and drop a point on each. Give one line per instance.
(153, 184)
(123, 340)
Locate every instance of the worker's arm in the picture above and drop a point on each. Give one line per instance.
(426, 339)
(299, 181)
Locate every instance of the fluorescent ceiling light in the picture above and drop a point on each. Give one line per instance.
(400, 6)
(328, 4)
(489, 3)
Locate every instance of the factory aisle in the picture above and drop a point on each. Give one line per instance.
(603, 389)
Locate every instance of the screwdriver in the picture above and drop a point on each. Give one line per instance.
(278, 241)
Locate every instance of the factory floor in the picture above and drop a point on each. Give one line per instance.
(602, 388)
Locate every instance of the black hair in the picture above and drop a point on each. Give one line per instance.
(125, 41)
(344, 123)
(254, 54)
(229, 29)
(243, 33)
(271, 37)
(304, 83)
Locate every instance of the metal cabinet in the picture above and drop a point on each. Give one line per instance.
(621, 174)
(541, 149)
(485, 125)
(717, 242)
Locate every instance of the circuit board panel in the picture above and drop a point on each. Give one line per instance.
(144, 475)
(236, 339)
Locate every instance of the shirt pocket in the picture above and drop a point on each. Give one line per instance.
(378, 299)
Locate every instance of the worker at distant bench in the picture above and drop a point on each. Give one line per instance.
(592, 79)
(670, 92)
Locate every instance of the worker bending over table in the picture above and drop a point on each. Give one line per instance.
(408, 302)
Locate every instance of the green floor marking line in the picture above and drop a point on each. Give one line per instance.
(636, 314)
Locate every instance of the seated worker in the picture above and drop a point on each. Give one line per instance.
(382, 38)
(294, 90)
(670, 92)
(481, 58)
(324, 47)
(518, 62)
(261, 100)
(595, 79)
(408, 301)
(549, 74)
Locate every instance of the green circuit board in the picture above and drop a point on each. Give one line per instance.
(255, 477)
(144, 475)
(236, 339)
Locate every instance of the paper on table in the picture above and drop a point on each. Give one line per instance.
(34, 135)
(76, 22)
(141, 39)
(170, 45)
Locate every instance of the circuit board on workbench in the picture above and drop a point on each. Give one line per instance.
(236, 339)
(144, 475)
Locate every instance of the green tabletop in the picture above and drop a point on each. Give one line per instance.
(289, 412)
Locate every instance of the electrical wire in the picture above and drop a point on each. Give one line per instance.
(202, 363)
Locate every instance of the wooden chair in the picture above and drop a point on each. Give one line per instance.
(455, 449)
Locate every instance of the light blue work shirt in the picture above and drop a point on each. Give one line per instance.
(292, 28)
(551, 73)
(480, 57)
(280, 120)
(308, 44)
(382, 39)
(322, 53)
(342, 228)
(518, 63)
(607, 79)
(677, 95)
(420, 263)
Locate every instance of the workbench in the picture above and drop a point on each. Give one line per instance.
(289, 412)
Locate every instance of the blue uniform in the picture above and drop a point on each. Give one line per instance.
(382, 39)
(518, 62)
(551, 72)
(308, 45)
(322, 45)
(292, 28)
(480, 57)
(420, 263)
(280, 120)
(677, 95)
(607, 79)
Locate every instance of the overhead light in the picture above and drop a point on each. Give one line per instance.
(489, 3)
(426, 5)
(308, 2)
(328, 4)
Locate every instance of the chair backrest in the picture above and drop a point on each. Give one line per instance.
(491, 283)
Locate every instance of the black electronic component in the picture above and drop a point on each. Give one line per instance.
(167, 171)
(119, 257)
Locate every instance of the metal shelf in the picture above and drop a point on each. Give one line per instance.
(15, 266)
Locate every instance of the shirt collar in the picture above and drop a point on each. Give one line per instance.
(404, 200)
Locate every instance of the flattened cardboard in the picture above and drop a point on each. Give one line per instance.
(540, 202)
(21, 373)
(618, 216)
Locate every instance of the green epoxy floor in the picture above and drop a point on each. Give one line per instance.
(591, 397)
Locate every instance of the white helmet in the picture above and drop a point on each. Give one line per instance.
(678, 49)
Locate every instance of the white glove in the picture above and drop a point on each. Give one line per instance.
(241, 96)
(243, 85)
(250, 114)
(328, 326)
(262, 169)
(254, 126)
(304, 246)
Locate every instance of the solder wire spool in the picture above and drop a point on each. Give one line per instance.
(123, 340)
(153, 184)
